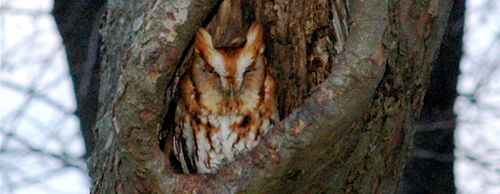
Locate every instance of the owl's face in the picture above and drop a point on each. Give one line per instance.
(229, 79)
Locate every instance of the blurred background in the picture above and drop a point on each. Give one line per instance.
(41, 145)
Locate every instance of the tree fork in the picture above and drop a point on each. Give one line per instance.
(348, 129)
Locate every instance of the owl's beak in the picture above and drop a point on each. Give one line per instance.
(232, 86)
(231, 92)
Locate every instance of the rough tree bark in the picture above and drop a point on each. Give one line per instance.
(429, 168)
(348, 97)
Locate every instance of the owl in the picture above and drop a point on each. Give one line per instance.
(226, 103)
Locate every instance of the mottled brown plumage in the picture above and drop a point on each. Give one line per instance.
(226, 103)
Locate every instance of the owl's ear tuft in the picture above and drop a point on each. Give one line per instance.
(203, 41)
(254, 39)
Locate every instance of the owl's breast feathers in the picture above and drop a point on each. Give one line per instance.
(211, 130)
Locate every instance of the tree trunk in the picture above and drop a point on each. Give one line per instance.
(350, 80)
(78, 23)
(429, 168)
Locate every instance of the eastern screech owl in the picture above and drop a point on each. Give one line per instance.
(226, 103)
